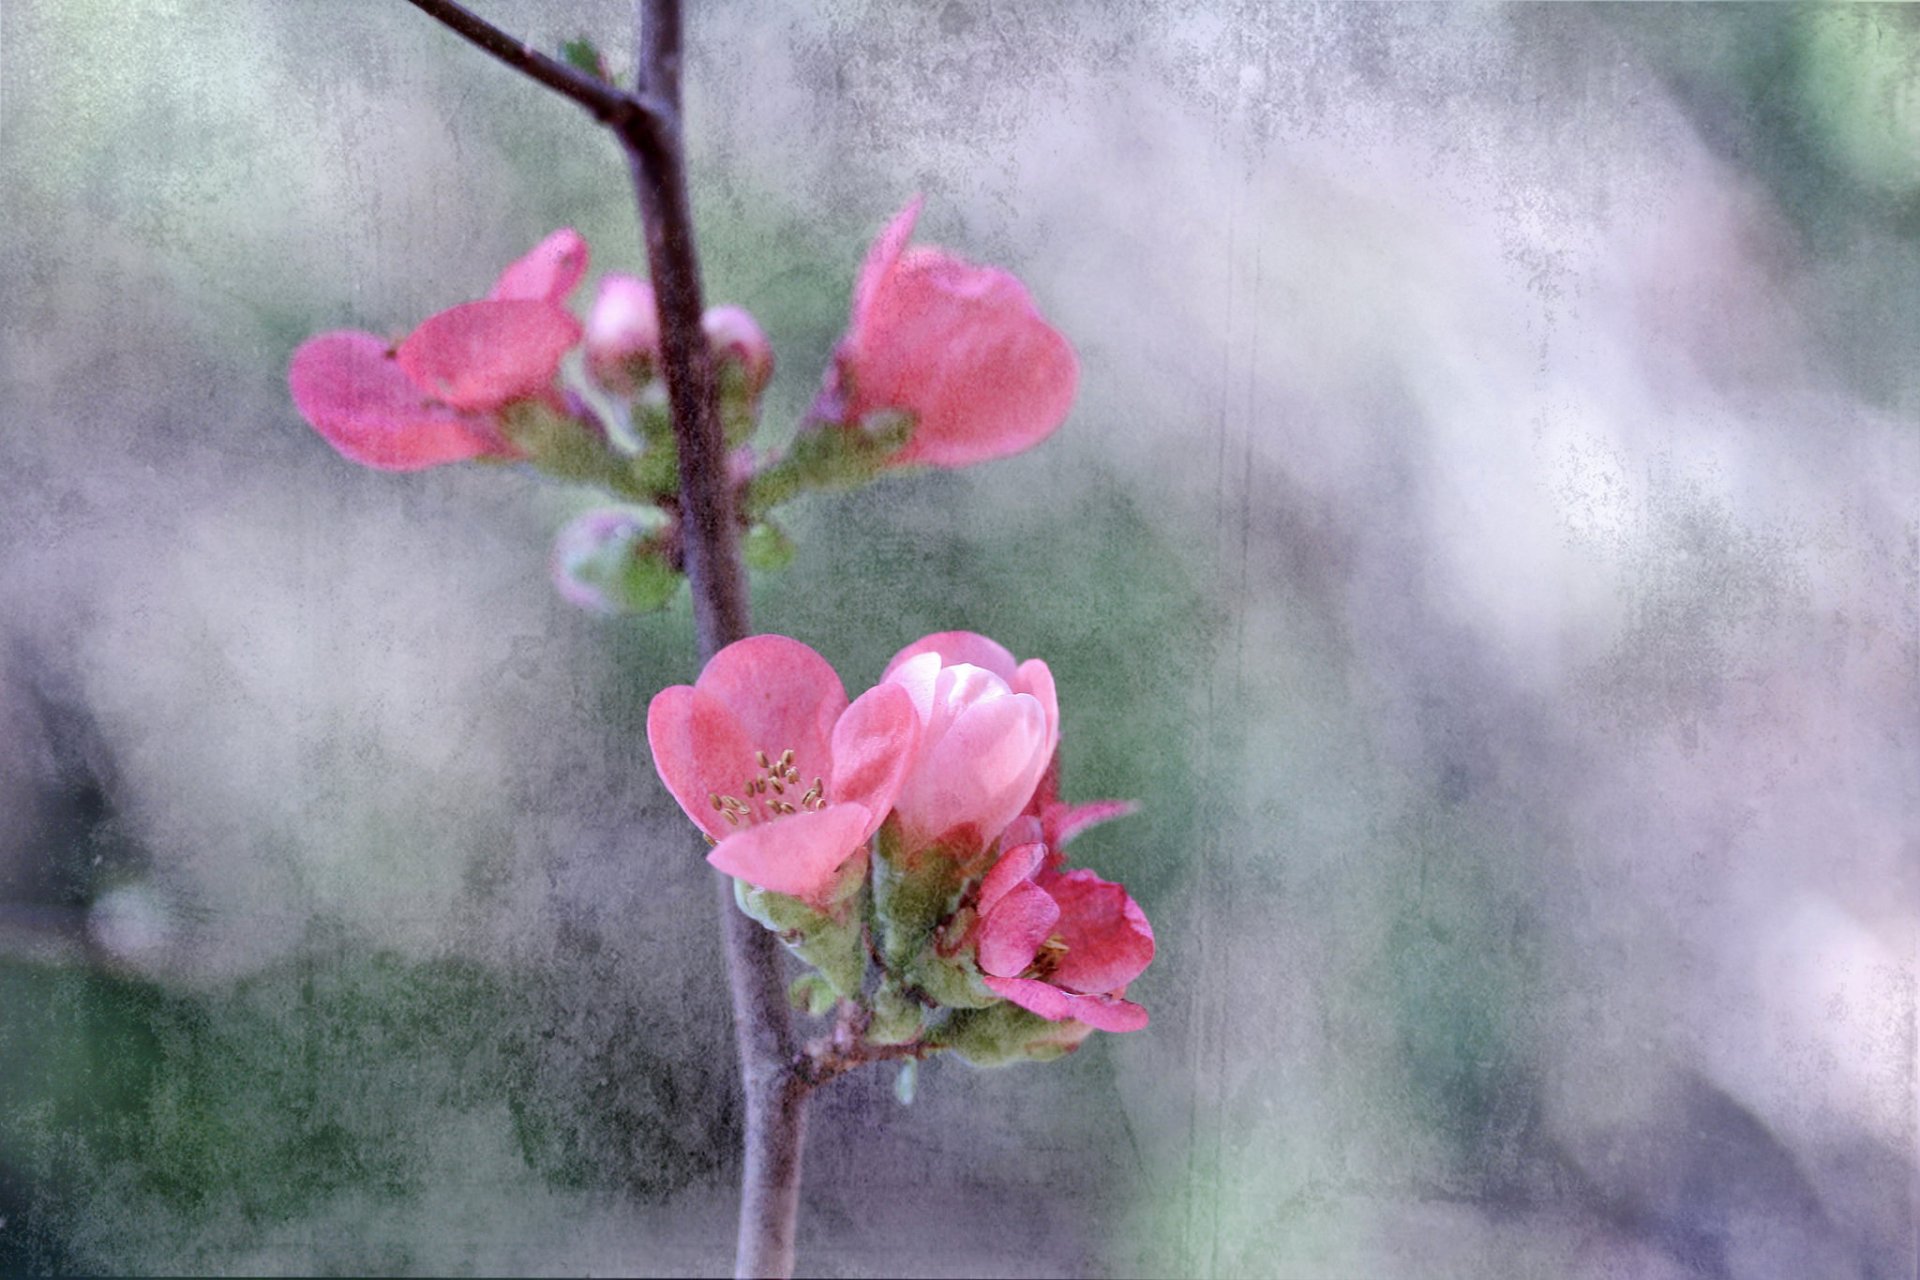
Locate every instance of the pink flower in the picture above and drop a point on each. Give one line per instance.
(435, 397)
(623, 333)
(988, 728)
(960, 347)
(1063, 946)
(767, 757)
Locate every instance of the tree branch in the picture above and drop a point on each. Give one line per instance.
(648, 125)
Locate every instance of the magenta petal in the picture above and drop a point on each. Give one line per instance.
(785, 695)
(480, 355)
(1105, 1013)
(1012, 931)
(1109, 942)
(1016, 866)
(699, 751)
(881, 257)
(796, 855)
(956, 647)
(1065, 821)
(355, 394)
(874, 743)
(548, 273)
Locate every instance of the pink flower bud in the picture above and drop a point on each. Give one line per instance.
(960, 347)
(735, 336)
(623, 333)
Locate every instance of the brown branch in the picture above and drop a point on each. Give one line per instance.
(648, 125)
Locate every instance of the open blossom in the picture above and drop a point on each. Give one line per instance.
(989, 727)
(1063, 945)
(960, 347)
(435, 397)
(767, 756)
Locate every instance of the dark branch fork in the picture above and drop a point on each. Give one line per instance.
(775, 1076)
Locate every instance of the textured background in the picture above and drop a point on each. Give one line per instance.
(1486, 543)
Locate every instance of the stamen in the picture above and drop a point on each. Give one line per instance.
(714, 796)
(761, 756)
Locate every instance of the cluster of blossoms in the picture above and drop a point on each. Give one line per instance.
(909, 844)
(943, 363)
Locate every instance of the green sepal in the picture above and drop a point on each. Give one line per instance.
(812, 993)
(632, 572)
(830, 456)
(830, 940)
(562, 445)
(897, 1018)
(951, 981)
(739, 401)
(766, 547)
(1005, 1034)
(912, 894)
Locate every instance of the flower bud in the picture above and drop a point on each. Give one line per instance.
(623, 334)
(739, 343)
(613, 561)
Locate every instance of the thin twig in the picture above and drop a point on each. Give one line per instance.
(648, 125)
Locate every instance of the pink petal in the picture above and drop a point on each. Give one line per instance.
(881, 257)
(1109, 942)
(1036, 678)
(874, 744)
(1016, 866)
(1105, 1013)
(963, 349)
(1062, 822)
(785, 696)
(699, 750)
(919, 676)
(1012, 931)
(548, 273)
(480, 355)
(355, 394)
(979, 773)
(956, 647)
(796, 855)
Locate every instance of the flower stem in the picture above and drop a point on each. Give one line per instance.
(648, 125)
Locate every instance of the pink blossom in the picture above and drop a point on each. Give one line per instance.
(767, 757)
(436, 397)
(736, 336)
(988, 728)
(623, 332)
(960, 347)
(1063, 946)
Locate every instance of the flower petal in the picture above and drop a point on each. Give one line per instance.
(874, 743)
(1062, 822)
(785, 696)
(1036, 678)
(1109, 942)
(956, 647)
(349, 387)
(1015, 867)
(881, 257)
(1013, 929)
(796, 855)
(699, 750)
(547, 273)
(480, 355)
(977, 774)
(1105, 1013)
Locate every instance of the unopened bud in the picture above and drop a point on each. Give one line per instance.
(613, 561)
(737, 341)
(623, 334)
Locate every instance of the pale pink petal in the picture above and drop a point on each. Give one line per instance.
(349, 386)
(1105, 1013)
(956, 647)
(881, 256)
(979, 772)
(548, 273)
(785, 696)
(1109, 942)
(700, 751)
(1015, 867)
(873, 747)
(919, 676)
(1036, 678)
(796, 855)
(480, 355)
(1012, 931)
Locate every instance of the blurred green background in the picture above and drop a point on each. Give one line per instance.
(1485, 545)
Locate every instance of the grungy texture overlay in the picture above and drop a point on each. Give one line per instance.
(1486, 544)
